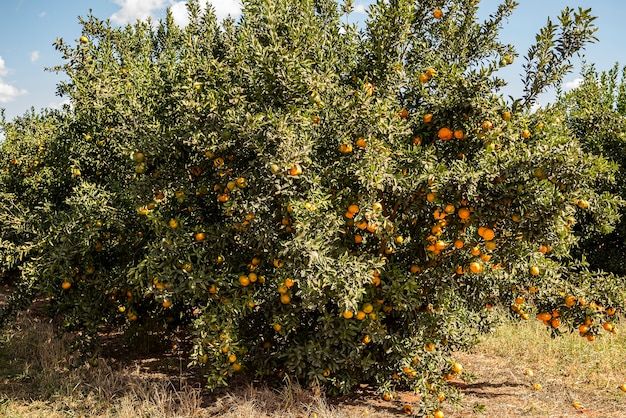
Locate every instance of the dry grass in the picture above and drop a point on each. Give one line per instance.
(40, 378)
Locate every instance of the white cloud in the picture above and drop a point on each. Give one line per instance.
(133, 10)
(60, 105)
(360, 8)
(8, 93)
(572, 84)
(3, 68)
(224, 8)
(34, 56)
(42, 14)
(179, 13)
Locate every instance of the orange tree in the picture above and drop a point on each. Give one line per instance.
(596, 114)
(307, 199)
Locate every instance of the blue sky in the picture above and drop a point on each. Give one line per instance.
(28, 29)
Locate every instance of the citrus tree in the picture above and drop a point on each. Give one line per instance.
(596, 114)
(310, 200)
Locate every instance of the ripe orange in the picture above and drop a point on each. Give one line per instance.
(577, 405)
(66, 285)
(464, 213)
(536, 386)
(430, 196)
(438, 414)
(476, 267)
(173, 223)
(440, 245)
(459, 244)
(403, 113)
(366, 339)
(428, 117)
(353, 208)
(459, 134)
(277, 327)
(166, 304)
(488, 234)
(296, 170)
(200, 236)
(361, 143)
(244, 281)
(534, 271)
(525, 134)
(623, 388)
(438, 13)
(506, 115)
(424, 78)
(345, 148)
(570, 301)
(544, 316)
(289, 283)
(285, 299)
(83, 39)
(358, 239)
(445, 134)
(475, 250)
(368, 307)
(457, 368)
(348, 314)
(556, 322)
(407, 409)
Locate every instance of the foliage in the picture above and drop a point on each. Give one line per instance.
(596, 114)
(311, 201)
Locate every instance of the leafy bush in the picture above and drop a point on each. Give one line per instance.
(310, 200)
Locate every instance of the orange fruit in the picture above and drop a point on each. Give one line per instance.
(445, 134)
(570, 301)
(345, 148)
(353, 208)
(437, 13)
(490, 245)
(488, 234)
(464, 213)
(173, 223)
(475, 251)
(506, 115)
(285, 299)
(358, 239)
(486, 125)
(534, 271)
(577, 405)
(244, 281)
(438, 414)
(428, 117)
(623, 388)
(556, 322)
(544, 316)
(424, 78)
(83, 39)
(459, 244)
(536, 386)
(296, 170)
(361, 143)
(348, 314)
(459, 134)
(476, 267)
(166, 303)
(66, 285)
(457, 368)
(200, 236)
(525, 134)
(430, 196)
